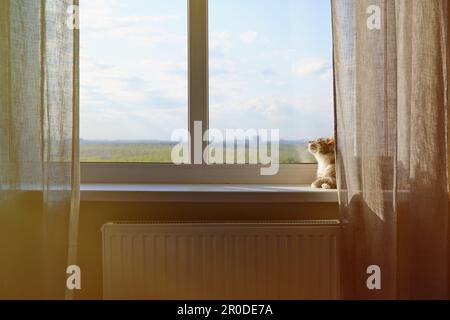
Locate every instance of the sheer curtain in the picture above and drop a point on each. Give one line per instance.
(391, 113)
(39, 166)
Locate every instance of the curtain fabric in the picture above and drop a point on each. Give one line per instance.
(39, 156)
(391, 120)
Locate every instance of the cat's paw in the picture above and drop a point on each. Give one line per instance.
(316, 185)
(326, 186)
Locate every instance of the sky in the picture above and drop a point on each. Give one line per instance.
(270, 67)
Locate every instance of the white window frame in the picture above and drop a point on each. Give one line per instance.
(198, 105)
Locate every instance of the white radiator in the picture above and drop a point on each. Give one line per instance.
(226, 261)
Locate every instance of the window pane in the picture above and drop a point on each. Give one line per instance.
(271, 68)
(133, 79)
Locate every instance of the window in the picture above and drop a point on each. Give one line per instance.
(270, 67)
(133, 79)
(150, 68)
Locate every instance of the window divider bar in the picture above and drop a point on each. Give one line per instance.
(198, 62)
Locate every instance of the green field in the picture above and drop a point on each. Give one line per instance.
(160, 152)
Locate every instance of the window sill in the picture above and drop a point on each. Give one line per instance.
(205, 193)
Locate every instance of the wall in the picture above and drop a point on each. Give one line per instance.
(21, 250)
(94, 215)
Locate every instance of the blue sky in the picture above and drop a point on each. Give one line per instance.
(270, 67)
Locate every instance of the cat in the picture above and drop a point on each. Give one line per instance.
(324, 152)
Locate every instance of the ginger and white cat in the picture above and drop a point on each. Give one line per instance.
(324, 152)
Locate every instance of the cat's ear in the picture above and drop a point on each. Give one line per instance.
(331, 142)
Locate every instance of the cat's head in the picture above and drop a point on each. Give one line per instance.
(322, 147)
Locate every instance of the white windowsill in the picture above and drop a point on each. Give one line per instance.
(205, 193)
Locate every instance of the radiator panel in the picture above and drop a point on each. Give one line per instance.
(246, 261)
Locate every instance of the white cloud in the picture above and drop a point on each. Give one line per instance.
(328, 75)
(249, 37)
(103, 19)
(221, 67)
(312, 66)
(296, 119)
(219, 43)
